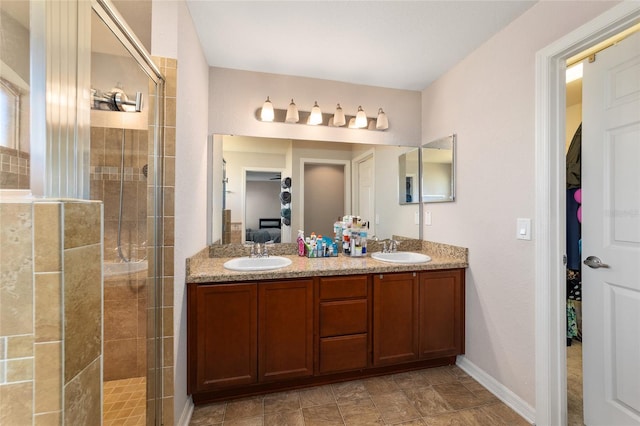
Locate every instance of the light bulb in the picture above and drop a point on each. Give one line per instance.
(266, 114)
(292, 113)
(316, 114)
(361, 118)
(382, 123)
(338, 117)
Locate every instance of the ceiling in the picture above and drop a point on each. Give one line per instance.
(393, 44)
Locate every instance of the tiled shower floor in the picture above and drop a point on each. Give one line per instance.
(125, 402)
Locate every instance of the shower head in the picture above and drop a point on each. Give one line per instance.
(116, 100)
(122, 102)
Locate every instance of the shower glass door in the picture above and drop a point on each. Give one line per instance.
(125, 173)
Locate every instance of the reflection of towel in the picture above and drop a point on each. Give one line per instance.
(286, 183)
(286, 213)
(285, 197)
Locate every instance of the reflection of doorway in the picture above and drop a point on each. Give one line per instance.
(325, 195)
(261, 201)
(364, 189)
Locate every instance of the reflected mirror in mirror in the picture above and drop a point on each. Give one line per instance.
(328, 179)
(438, 170)
(14, 95)
(408, 175)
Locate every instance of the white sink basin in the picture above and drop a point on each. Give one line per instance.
(257, 263)
(406, 257)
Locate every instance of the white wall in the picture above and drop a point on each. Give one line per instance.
(235, 95)
(174, 36)
(488, 100)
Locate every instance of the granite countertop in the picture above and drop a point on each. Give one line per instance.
(203, 268)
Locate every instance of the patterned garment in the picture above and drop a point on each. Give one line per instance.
(574, 285)
(572, 324)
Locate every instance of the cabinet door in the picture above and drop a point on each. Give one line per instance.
(225, 331)
(441, 313)
(395, 318)
(285, 338)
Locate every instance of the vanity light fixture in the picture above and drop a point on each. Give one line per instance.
(316, 115)
(338, 117)
(292, 113)
(267, 114)
(382, 123)
(361, 118)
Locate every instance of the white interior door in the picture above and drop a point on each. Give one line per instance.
(611, 232)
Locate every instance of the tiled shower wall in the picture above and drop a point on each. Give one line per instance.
(50, 312)
(168, 68)
(125, 327)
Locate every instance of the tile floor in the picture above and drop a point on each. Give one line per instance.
(125, 402)
(574, 384)
(430, 397)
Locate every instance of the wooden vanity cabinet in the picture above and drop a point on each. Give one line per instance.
(441, 309)
(343, 323)
(395, 318)
(285, 338)
(222, 333)
(255, 337)
(242, 334)
(418, 316)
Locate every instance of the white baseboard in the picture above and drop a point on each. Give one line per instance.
(187, 412)
(503, 393)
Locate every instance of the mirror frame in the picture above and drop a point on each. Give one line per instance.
(440, 141)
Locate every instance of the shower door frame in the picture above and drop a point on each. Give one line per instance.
(114, 21)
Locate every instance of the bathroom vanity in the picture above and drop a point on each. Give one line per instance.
(319, 321)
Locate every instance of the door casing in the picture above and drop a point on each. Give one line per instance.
(551, 382)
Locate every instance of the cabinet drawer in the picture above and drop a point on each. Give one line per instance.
(343, 317)
(343, 287)
(343, 353)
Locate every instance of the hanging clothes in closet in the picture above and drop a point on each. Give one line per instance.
(574, 234)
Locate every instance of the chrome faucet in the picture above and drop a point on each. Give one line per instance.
(255, 250)
(392, 247)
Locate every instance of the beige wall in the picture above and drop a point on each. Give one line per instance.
(50, 312)
(235, 95)
(488, 100)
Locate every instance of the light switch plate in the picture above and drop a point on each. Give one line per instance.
(523, 228)
(427, 218)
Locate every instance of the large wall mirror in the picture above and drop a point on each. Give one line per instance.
(327, 180)
(438, 170)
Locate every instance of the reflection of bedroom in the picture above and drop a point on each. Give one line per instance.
(262, 207)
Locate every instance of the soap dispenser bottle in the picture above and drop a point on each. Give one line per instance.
(301, 245)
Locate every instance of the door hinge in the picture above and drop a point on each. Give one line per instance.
(592, 58)
(564, 259)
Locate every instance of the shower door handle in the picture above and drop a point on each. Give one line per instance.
(594, 262)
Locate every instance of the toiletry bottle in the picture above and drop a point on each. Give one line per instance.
(301, 243)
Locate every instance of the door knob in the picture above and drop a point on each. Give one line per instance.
(594, 262)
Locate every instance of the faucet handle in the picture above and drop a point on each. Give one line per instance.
(265, 246)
